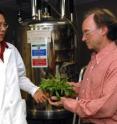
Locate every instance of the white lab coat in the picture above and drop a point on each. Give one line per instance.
(12, 78)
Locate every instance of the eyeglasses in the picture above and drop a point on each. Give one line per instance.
(88, 32)
(4, 25)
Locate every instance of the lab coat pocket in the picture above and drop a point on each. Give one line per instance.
(19, 113)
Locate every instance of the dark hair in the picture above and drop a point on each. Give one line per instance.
(3, 14)
(104, 17)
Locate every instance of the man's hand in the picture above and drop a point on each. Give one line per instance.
(39, 96)
(55, 102)
(76, 86)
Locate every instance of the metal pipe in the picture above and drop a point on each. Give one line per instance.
(62, 9)
(71, 17)
(80, 78)
(34, 9)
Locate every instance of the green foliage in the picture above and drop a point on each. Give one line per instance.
(57, 86)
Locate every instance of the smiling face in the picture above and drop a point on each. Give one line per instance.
(91, 33)
(3, 27)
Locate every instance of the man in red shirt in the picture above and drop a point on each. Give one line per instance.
(97, 102)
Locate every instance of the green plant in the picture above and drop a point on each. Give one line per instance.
(57, 86)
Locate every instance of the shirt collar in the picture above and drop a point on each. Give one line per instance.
(3, 43)
(104, 52)
(3, 46)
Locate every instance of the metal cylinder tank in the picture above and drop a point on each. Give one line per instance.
(48, 48)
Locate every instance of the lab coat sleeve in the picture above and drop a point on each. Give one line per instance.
(24, 82)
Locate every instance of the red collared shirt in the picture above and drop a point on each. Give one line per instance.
(98, 90)
(2, 49)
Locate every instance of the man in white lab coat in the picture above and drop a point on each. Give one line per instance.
(12, 79)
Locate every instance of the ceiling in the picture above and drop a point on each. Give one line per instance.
(24, 4)
(8, 3)
(15, 4)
